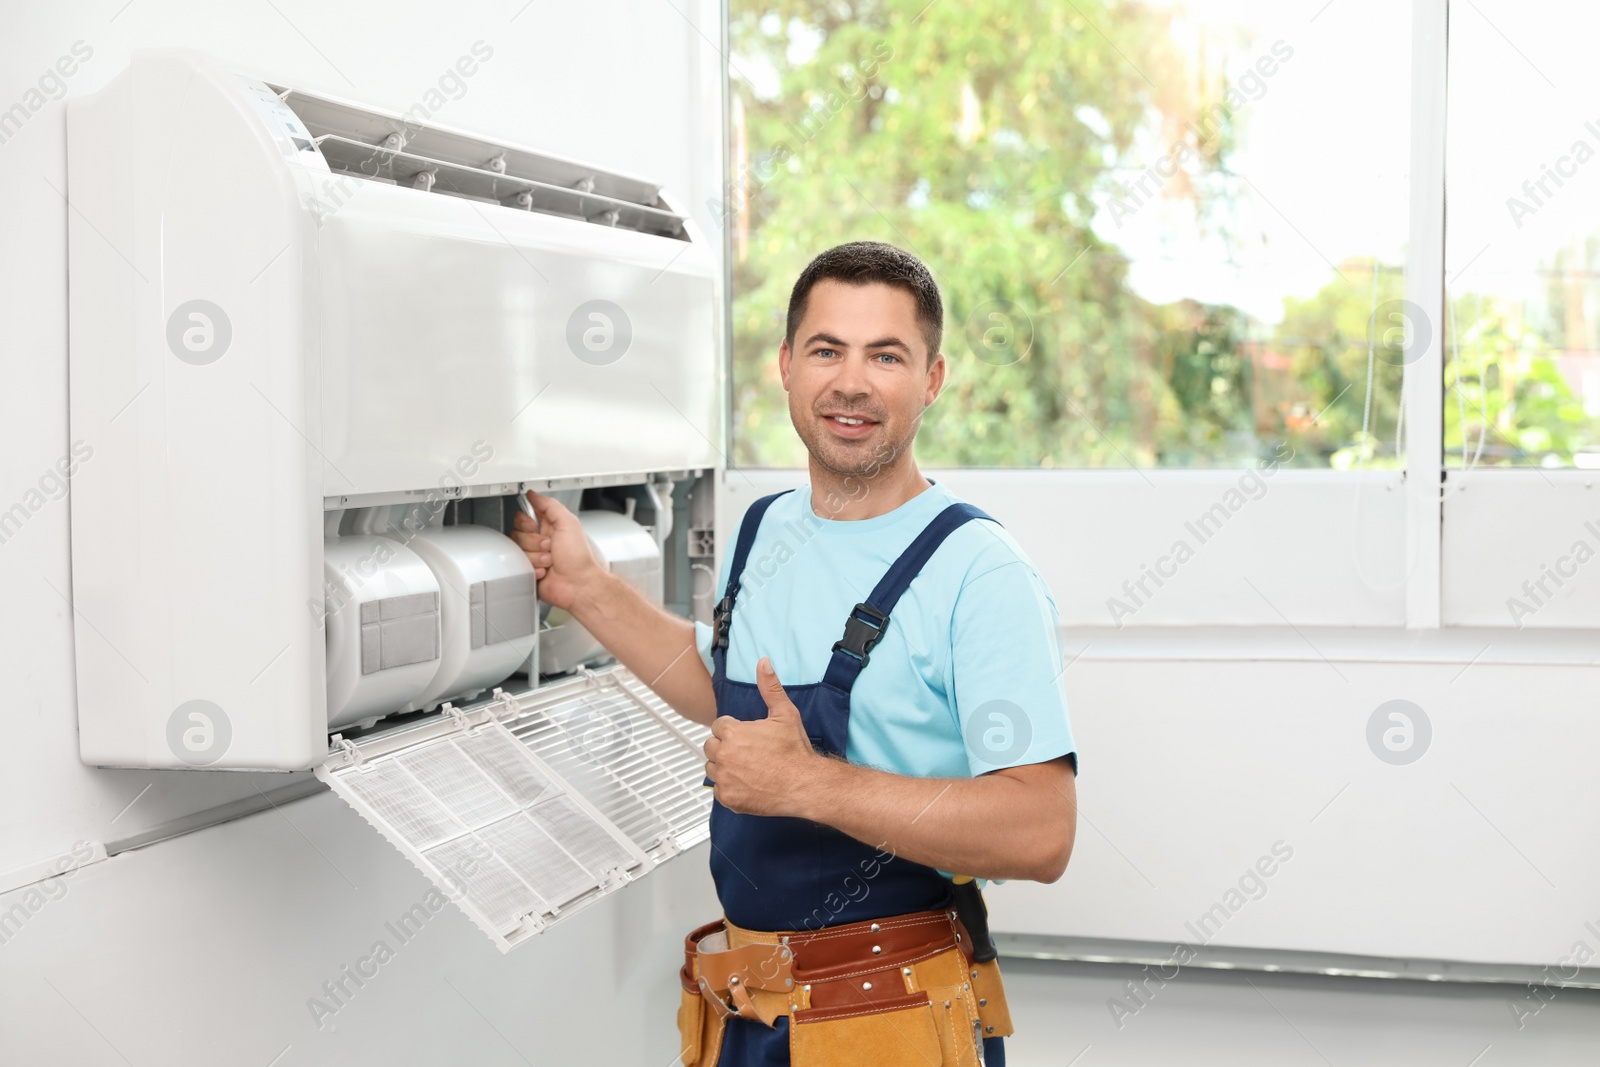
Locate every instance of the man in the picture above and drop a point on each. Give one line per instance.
(857, 798)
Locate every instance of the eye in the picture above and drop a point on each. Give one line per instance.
(824, 352)
(890, 356)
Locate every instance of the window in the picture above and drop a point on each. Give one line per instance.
(1168, 234)
(1212, 234)
(1522, 371)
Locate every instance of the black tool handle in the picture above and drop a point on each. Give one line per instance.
(974, 915)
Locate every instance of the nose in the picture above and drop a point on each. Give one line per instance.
(850, 380)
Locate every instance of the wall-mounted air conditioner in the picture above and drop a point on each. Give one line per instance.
(319, 350)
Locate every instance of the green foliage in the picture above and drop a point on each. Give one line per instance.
(1506, 400)
(1348, 376)
(957, 135)
(979, 135)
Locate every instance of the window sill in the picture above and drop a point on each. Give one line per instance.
(1543, 647)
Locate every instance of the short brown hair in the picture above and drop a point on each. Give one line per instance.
(860, 262)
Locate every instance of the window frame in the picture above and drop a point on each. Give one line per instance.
(1450, 550)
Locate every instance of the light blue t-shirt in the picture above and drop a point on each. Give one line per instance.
(968, 676)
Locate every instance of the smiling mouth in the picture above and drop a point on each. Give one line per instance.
(849, 426)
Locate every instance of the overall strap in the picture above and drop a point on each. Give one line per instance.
(870, 619)
(722, 614)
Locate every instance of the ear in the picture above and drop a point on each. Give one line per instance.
(936, 372)
(784, 357)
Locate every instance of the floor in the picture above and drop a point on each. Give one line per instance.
(1082, 1015)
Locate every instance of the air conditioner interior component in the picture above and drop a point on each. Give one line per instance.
(520, 811)
(382, 627)
(374, 144)
(488, 615)
(628, 550)
(248, 315)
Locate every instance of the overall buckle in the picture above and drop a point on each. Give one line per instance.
(860, 635)
(721, 622)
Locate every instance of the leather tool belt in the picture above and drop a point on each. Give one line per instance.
(899, 990)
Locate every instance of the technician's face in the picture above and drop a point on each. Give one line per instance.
(859, 376)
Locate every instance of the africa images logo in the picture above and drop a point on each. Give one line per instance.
(198, 332)
(1399, 732)
(998, 733)
(199, 732)
(599, 332)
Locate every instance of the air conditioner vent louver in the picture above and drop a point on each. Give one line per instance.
(617, 746)
(529, 807)
(378, 146)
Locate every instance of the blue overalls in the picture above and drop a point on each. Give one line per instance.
(780, 873)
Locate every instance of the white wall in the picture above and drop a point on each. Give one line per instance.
(1202, 747)
(204, 949)
(209, 949)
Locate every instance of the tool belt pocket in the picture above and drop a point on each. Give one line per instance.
(699, 1031)
(894, 1032)
(990, 993)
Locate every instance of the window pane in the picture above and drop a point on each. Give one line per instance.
(1522, 370)
(1163, 231)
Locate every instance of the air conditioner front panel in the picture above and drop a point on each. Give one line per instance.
(446, 326)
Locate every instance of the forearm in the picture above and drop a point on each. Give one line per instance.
(657, 646)
(992, 826)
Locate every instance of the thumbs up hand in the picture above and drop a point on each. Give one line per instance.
(764, 766)
(779, 707)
